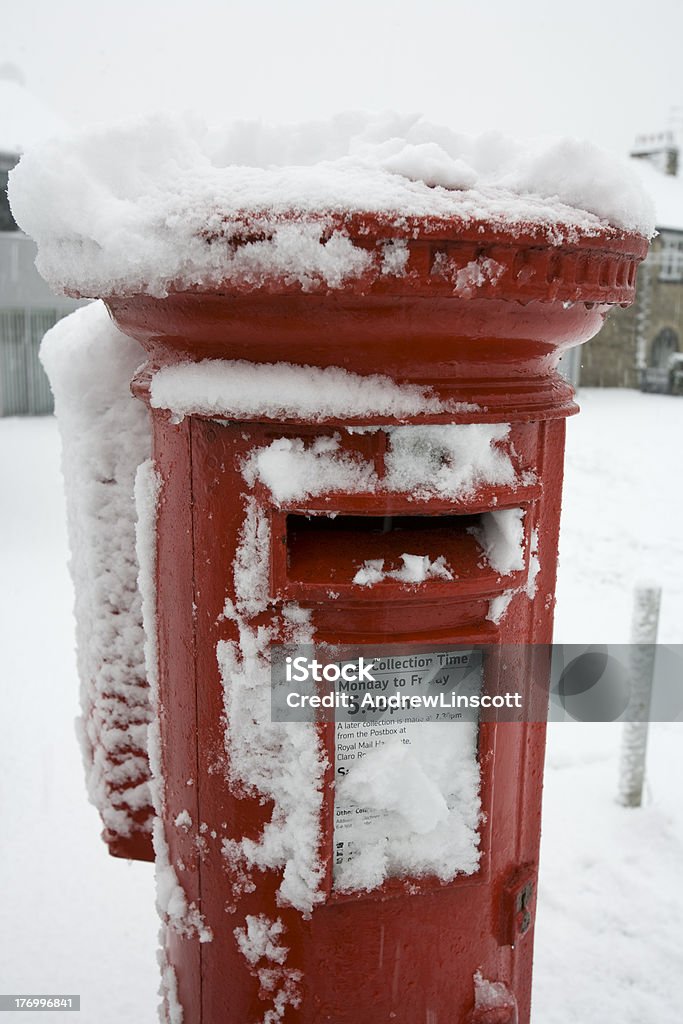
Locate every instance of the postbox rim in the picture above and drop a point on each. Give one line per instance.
(582, 264)
(398, 224)
(478, 315)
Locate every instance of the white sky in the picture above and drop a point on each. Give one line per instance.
(603, 69)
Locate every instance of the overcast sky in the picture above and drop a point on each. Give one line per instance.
(603, 69)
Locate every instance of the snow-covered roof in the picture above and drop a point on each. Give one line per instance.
(666, 191)
(166, 202)
(24, 119)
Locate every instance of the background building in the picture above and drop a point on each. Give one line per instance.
(27, 306)
(637, 347)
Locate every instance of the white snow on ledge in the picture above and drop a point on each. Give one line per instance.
(165, 202)
(415, 569)
(450, 460)
(238, 388)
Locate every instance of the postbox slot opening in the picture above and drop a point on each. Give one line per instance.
(329, 549)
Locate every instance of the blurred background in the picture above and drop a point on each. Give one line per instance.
(611, 900)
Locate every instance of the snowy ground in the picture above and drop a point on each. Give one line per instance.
(73, 919)
(611, 900)
(610, 916)
(621, 516)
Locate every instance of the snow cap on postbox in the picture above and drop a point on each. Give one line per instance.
(167, 204)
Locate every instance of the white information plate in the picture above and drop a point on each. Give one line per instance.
(440, 677)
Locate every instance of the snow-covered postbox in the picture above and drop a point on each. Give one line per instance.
(377, 462)
(358, 433)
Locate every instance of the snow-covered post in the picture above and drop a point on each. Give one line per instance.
(642, 664)
(335, 344)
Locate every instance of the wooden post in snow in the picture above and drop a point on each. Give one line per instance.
(641, 664)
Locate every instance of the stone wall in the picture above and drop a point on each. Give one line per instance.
(614, 357)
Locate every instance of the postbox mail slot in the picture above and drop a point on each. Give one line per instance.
(392, 553)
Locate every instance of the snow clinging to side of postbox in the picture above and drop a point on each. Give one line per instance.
(260, 943)
(175, 910)
(167, 203)
(105, 436)
(280, 762)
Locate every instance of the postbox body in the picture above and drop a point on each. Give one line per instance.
(248, 555)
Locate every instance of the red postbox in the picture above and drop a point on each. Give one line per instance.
(304, 442)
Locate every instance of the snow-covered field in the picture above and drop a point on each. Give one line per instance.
(73, 919)
(621, 517)
(610, 915)
(611, 902)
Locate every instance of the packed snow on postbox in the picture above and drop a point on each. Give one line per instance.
(169, 203)
(237, 388)
(105, 436)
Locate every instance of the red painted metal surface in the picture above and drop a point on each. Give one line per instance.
(138, 846)
(405, 953)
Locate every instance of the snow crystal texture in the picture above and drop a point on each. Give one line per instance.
(105, 436)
